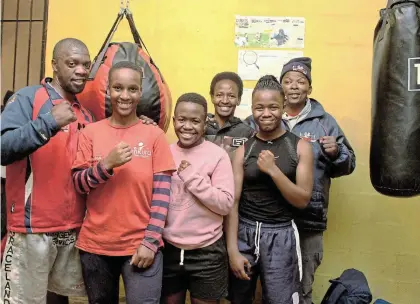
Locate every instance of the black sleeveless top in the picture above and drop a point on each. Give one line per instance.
(261, 200)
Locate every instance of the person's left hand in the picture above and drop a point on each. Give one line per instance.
(143, 257)
(147, 121)
(329, 144)
(265, 161)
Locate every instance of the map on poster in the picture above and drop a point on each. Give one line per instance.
(253, 64)
(270, 32)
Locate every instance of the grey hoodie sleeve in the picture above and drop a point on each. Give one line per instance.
(345, 163)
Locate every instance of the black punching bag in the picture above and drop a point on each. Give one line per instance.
(395, 141)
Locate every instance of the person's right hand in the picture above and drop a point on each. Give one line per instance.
(183, 165)
(119, 155)
(63, 114)
(238, 263)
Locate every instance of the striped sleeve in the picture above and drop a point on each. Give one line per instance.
(87, 179)
(158, 211)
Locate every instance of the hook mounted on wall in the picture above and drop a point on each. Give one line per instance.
(126, 6)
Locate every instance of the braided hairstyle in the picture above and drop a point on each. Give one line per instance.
(268, 82)
(194, 98)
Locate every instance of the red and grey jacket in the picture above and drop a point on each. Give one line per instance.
(39, 155)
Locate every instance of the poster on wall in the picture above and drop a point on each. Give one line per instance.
(270, 32)
(244, 109)
(253, 64)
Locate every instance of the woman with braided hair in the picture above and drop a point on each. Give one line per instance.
(273, 174)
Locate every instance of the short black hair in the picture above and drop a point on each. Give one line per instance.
(194, 98)
(67, 43)
(125, 65)
(227, 76)
(268, 82)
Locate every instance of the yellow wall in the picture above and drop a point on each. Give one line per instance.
(191, 40)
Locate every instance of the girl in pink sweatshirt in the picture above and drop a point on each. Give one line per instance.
(202, 190)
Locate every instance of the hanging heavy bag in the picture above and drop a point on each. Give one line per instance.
(155, 103)
(395, 141)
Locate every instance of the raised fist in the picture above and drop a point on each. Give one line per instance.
(183, 165)
(118, 156)
(63, 114)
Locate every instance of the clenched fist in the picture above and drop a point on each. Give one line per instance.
(63, 114)
(118, 156)
(265, 161)
(183, 165)
(329, 145)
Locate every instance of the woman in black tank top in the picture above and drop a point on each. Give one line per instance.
(273, 174)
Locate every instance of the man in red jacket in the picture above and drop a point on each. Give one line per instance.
(39, 133)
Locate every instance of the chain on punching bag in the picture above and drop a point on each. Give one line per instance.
(395, 139)
(156, 100)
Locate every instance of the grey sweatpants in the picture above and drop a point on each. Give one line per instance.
(274, 253)
(311, 244)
